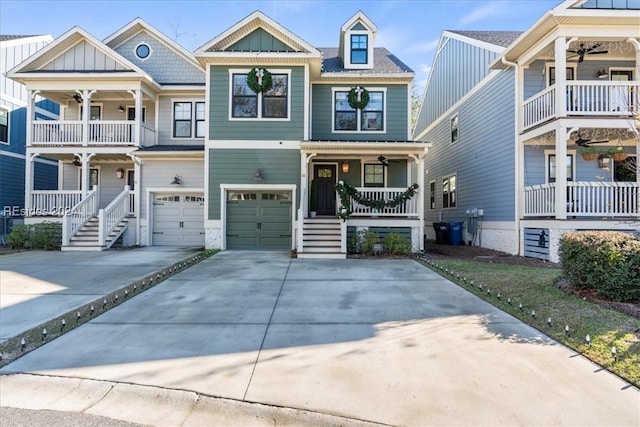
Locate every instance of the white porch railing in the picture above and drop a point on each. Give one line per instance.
(57, 132)
(540, 107)
(101, 133)
(78, 216)
(406, 209)
(584, 98)
(53, 202)
(112, 215)
(586, 199)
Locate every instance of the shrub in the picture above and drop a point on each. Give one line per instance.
(369, 238)
(354, 245)
(607, 262)
(396, 244)
(45, 235)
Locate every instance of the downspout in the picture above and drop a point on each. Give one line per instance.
(516, 138)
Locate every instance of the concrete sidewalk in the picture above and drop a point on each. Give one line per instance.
(246, 338)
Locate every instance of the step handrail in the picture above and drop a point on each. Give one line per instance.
(76, 217)
(112, 215)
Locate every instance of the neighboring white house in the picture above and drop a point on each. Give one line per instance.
(499, 115)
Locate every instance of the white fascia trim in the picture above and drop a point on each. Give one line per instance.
(180, 190)
(47, 38)
(250, 145)
(457, 105)
(180, 88)
(475, 42)
(356, 74)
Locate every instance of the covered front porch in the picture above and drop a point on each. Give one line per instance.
(385, 181)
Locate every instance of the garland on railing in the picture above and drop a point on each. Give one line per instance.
(348, 193)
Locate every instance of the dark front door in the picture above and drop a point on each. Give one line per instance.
(325, 182)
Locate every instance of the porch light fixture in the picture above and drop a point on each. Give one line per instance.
(258, 175)
(120, 173)
(603, 161)
(177, 180)
(345, 167)
(120, 108)
(603, 73)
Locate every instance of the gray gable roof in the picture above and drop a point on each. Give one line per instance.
(383, 62)
(498, 38)
(8, 37)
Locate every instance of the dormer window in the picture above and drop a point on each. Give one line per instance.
(359, 48)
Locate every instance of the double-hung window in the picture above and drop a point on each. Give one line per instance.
(4, 126)
(188, 119)
(359, 47)
(449, 192)
(373, 175)
(347, 118)
(432, 195)
(270, 104)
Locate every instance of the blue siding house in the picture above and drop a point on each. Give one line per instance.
(498, 116)
(13, 125)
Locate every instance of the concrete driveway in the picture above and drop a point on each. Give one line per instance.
(381, 341)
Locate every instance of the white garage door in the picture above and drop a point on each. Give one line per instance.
(178, 220)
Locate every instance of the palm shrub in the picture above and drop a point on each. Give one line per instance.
(607, 262)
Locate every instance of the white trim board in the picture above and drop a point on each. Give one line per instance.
(22, 156)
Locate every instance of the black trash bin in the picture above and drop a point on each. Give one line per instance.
(455, 233)
(442, 232)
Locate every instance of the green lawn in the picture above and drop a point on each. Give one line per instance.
(535, 288)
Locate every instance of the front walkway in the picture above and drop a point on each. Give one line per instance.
(385, 341)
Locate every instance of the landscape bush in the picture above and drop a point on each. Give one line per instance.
(46, 235)
(396, 244)
(607, 262)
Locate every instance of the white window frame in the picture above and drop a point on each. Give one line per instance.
(548, 153)
(448, 178)
(359, 113)
(550, 65)
(8, 141)
(456, 118)
(135, 51)
(93, 104)
(193, 102)
(259, 117)
(347, 43)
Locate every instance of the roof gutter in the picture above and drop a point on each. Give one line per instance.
(516, 137)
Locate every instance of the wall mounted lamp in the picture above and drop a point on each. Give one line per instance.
(603, 73)
(177, 180)
(120, 173)
(120, 108)
(258, 175)
(603, 161)
(345, 167)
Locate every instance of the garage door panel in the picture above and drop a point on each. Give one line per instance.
(178, 220)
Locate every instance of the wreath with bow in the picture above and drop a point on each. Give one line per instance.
(259, 80)
(358, 97)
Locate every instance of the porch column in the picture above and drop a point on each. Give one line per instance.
(561, 76)
(137, 134)
(636, 119)
(561, 172)
(28, 180)
(86, 114)
(86, 176)
(137, 202)
(31, 95)
(420, 164)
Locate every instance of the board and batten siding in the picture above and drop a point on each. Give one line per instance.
(395, 110)
(482, 159)
(164, 130)
(164, 64)
(221, 128)
(457, 68)
(11, 54)
(83, 56)
(259, 41)
(160, 173)
(230, 166)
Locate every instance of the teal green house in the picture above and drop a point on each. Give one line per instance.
(287, 121)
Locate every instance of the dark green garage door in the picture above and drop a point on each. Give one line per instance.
(259, 220)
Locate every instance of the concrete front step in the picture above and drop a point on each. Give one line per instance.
(322, 243)
(336, 255)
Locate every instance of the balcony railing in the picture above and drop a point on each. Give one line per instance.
(406, 209)
(100, 133)
(584, 98)
(585, 199)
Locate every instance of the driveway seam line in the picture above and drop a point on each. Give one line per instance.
(266, 331)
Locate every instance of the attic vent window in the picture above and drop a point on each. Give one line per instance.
(143, 51)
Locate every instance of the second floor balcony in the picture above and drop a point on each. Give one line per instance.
(583, 98)
(55, 133)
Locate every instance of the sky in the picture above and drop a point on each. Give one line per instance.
(410, 29)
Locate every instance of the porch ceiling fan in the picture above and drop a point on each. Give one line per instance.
(384, 161)
(585, 142)
(580, 53)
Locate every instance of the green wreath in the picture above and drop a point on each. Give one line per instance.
(348, 193)
(353, 97)
(253, 81)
